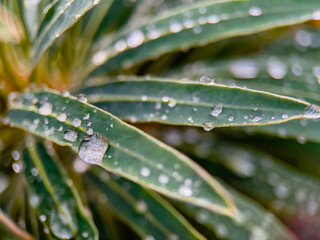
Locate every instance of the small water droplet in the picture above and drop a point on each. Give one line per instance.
(76, 122)
(206, 79)
(42, 218)
(93, 148)
(82, 98)
(145, 172)
(163, 179)
(135, 38)
(141, 206)
(15, 155)
(276, 68)
(230, 118)
(85, 234)
(312, 111)
(255, 11)
(65, 93)
(284, 116)
(86, 116)
(45, 109)
(172, 102)
(208, 126)
(185, 191)
(70, 135)
(62, 117)
(244, 68)
(216, 109)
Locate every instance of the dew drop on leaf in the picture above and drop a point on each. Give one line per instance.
(82, 98)
(207, 126)
(45, 109)
(216, 109)
(93, 148)
(76, 122)
(70, 135)
(62, 117)
(312, 111)
(206, 79)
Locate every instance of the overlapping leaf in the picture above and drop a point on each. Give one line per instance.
(146, 212)
(196, 104)
(59, 207)
(197, 25)
(60, 15)
(117, 147)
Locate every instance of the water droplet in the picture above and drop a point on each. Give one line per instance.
(303, 38)
(135, 38)
(34, 172)
(77, 17)
(172, 102)
(45, 109)
(149, 237)
(301, 139)
(86, 116)
(208, 126)
(281, 190)
(15, 155)
(82, 98)
(95, 2)
(141, 206)
(163, 179)
(230, 118)
(255, 11)
(99, 57)
(316, 15)
(222, 230)
(42, 218)
(216, 109)
(284, 116)
(145, 172)
(70, 135)
(76, 122)
(90, 131)
(312, 111)
(120, 45)
(185, 191)
(65, 93)
(244, 68)
(256, 119)
(93, 148)
(206, 79)
(62, 117)
(16, 167)
(85, 234)
(276, 68)
(175, 27)
(144, 98)
(213, 19)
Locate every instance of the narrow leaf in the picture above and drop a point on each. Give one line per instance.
(197, 25)
(102, 139)
(251, 222)
(146, 212)
(60, 16)
(195, 104)
(51, 190)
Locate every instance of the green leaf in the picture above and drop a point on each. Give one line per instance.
(102, 139)
(195, 104)
(251, 221)
(58, 205)
(146, 212)
(59, 17)
(306, 130)
(285, 190)
(197, 25)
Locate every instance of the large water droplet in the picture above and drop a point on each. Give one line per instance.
(216, 109)
(70, 135)
(206, 79)
(208, 126)
(45, 109)
(93, 148)
(312, 111)
(135, 38)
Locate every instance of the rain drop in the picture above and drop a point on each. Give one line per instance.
(76, 122)
(255, 11)
(45, 109)
(62, 117)
(206, 79)
(163, 179)
(312, 111)
(208, 126)
(70, 135)
(216, 109)
(93, 148)
(145, 172)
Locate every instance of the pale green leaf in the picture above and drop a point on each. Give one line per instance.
(196, 104)
(146, 212)
(58, 205)
(196, 25)
(60, 16)
(117, 147)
